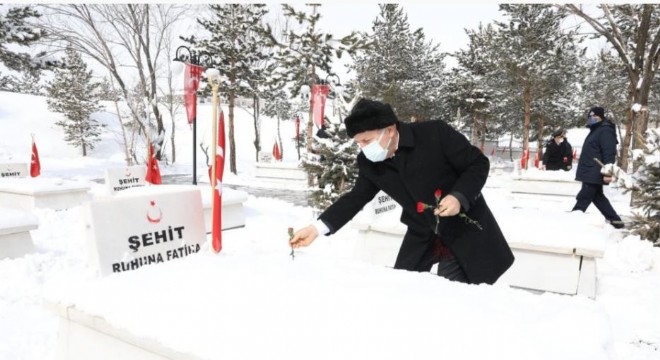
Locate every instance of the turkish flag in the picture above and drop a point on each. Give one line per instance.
(35, 165)
(536, 160)
(524, 159)
(153, 172)
(216, 183)
(319, 93)
(192, 75)
(277, 154)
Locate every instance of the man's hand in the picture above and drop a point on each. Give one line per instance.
(607, 180)
(304, 237)
(449, 206)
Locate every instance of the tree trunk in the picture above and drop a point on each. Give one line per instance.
(528, 115)
(232, 142)
(474, 134)
(257, 133)
(310, 122)
(539, 148)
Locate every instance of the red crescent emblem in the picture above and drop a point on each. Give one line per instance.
(154, 219)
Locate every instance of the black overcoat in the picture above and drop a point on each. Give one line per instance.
(432, 155)
(554, 155)
(601, 144)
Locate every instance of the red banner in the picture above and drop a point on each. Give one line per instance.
(277, 154)
(153, 171)
(319, 94)
(192, 75)
(35, 164)
(216, 229)
(297, 127)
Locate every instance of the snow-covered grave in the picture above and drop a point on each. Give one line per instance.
(554, 183)
(122, 178)
(15, 238)
(42, 192)
(553, 259)
(278, 171)
(311, 308)
(142, 226)
(13, 170)
(233, 213)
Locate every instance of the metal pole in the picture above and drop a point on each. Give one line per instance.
(194, 145)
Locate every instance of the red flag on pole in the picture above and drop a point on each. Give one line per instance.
(35, 164)
(216, 183)
(319, 93)
(492, 152)
(536, 160)
(575, 157)
(297, 127)
(277, 154)
(524, 159)
(153, 172)
(192, 75)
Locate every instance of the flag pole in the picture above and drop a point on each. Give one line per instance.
(214, 81)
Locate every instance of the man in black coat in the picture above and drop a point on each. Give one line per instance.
(558, 153)
(600, 144)
(413, 163)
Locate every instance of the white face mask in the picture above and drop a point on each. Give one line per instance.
(374, 152)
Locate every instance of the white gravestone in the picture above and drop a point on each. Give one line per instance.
(143, 226)
(265, 157)
(117, 179)
(381, 212)
(13, 170)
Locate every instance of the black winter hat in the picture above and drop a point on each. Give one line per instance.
(557, 132)
(598, 111)
(369, 115)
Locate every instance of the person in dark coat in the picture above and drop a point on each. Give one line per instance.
(411, 162)
(600, 144)
(558, 153)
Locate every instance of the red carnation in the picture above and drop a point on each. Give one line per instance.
(438, 194)
(420, 207)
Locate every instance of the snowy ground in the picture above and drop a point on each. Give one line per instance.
(324, 304)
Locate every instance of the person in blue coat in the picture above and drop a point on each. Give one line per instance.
(599, 144)
(426, 162)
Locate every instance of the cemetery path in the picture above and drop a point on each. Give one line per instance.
(295, 197)
(298, 198)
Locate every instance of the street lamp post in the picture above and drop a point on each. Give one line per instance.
(185, 55)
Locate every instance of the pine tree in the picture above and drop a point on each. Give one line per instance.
(73, 94)
(14, 29)
(400, 68)
(236, 44)
(646, 207)
(537, 58)
(305, 53)
(333, 163)
(278, 106)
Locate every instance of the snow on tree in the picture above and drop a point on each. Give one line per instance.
(306, 52)
(236, 42)
(73, 94)
(333, 163)
(15, 29)
(538, 58)
(400, 68)
(633, 31)
(279, 107)
(646, 205)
